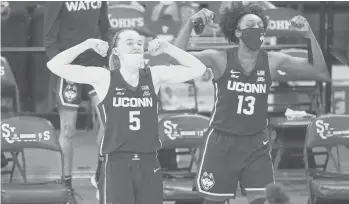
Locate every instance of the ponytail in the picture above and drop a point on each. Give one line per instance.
(114, 62)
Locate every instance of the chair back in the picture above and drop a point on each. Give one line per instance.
(182, 130)
(331, 133)
(28, 132)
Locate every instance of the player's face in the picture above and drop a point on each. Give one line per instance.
(250, 21)
(130, 42)
(251, 32)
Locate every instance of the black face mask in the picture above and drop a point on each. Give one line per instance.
(253, 38)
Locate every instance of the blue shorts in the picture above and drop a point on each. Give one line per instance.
(130, 178)
(229, 159)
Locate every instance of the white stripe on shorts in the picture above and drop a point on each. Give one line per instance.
(200, 169)
(105, 180)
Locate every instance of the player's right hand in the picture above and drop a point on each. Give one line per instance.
(99, 46)
(204, 14)
(201, 19)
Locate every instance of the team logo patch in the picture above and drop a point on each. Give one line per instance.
(260, 79)
(146, 93)
(70, 92)
(207, 180)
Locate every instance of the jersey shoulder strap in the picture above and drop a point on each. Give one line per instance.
(145, 72)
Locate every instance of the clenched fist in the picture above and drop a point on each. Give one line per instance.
(99, 46)
(201, 19)
(299, 23)
(157, 46)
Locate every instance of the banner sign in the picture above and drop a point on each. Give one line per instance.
(279, 21)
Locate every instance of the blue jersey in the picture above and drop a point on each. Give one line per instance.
(130, 115)
(241, 100)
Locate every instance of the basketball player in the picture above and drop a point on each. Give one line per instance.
(237, 146)
(68, 23)
(129, 104)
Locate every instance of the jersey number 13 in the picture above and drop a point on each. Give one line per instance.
(250, 101)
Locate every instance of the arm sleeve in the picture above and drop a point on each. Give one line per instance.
(51, 27)
(103, 22)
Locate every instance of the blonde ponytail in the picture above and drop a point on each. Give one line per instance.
(114, 62)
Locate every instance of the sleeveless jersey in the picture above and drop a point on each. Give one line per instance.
(130, 115)
(241, 101)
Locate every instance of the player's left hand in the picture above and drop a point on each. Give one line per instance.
(299, 23)
(157, 46)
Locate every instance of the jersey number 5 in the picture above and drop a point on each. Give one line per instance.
(250, 100)
(135, 122)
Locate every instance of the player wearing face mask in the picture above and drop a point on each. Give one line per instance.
(237, 145)
(129, 105)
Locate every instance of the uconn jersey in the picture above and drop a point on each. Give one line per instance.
(130, 115)
(241, 100)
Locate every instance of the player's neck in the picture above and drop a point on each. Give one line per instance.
(131, 76)
(245, 53)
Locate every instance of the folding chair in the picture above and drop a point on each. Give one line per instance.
(36, 133)
(10, 106)
(331, 133)
(184, 131)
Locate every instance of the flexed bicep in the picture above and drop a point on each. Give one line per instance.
(80, 74)
(174, 74)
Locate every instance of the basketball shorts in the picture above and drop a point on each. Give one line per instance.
(130, 179)
(231, 159)
(69, 94)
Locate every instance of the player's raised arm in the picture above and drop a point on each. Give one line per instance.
(61, 63)
(301, 66)
(205, 16)
(190, 67)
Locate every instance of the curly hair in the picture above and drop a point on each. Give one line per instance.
(230, 18)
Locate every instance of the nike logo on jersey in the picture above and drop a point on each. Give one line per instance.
(232, 72)
(119, 89)
(265, 142)
(246, 87)
(155, 170)
(132, 102)
(281, 72)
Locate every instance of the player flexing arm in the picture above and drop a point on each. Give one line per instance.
(99, 78)
(64, 27)
(297, 66)
(245, 26)
(290, 65)
(189, 69)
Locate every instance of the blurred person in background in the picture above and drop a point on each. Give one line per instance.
(66, 24)
(5, 10)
